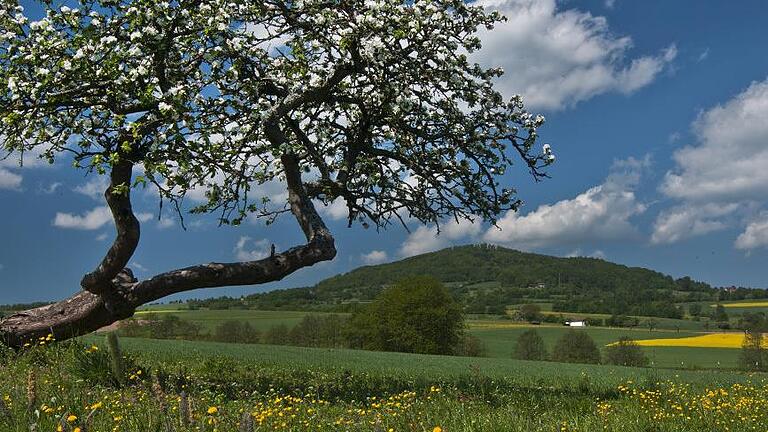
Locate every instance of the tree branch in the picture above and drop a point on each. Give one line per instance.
(128, 230)
(86, 312)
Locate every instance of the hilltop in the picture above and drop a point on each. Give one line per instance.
(486, 279)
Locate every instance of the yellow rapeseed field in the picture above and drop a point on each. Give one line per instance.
(745, 304)
(712, 340)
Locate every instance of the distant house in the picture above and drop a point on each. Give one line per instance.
(576, 323)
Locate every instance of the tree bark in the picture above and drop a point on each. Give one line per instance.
(111, 293)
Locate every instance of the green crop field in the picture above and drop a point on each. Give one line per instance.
(413, 366)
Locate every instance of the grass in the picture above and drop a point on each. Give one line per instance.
(297, 389)
(414, 366)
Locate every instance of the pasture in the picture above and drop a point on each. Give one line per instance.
(499, 335)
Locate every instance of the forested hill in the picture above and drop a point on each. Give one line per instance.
(508, 267)
(485, 279)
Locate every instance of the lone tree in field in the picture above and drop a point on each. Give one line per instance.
(576, 347)
(530, 346)
(416, 315)
(374, 103)
(625, 352)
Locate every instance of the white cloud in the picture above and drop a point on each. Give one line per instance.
(248, 249)
(610, 4)
(51, 189)
(557, 58)
(375, 257)
(138, 266)
(165, 223)
(723, 173)
(144, 217)
(102, 237)
(601, 213)
(10, 163)
(9, 180)
(729, 163)
(426, 239)
(685, 221)
(94, 188)
(598, 254)
(337, 210)
(91, 220)
(755, 235)
(703, 56)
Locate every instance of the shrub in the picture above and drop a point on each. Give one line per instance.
(530, 312)
(530, 346)
(576, 347)
(752, 356)
(471, 346)
(277, 335)
(625, 352)
(236, 332)
(319, 331)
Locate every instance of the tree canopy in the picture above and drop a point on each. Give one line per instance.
(416, 315)
(375, 103)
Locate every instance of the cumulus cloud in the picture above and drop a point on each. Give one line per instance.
(723, 172)
(601, 213)
(9, 180)
(578, 253)
(557, 58)
(91, 220)
(728, 163)
(94, 188)
(337, 210)
(375, 257)
(687, 221)
(426, 238)
(10, 164)
(248, 249)
(755, 235)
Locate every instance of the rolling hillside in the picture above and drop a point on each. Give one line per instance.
(488, 278)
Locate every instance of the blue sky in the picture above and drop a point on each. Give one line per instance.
(656, 111)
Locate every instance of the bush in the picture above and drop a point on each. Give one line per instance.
(752, 356)
(625, 352)
(277, 335)
(471, 346)
(319, 331)
(530, 312)
(576, 347)
(530, 346)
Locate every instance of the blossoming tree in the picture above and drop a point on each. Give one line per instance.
(371, 102)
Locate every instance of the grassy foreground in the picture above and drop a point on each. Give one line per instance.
(197, 386)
